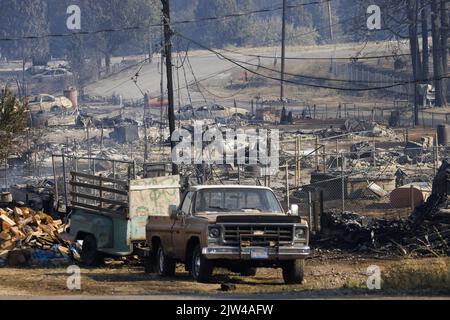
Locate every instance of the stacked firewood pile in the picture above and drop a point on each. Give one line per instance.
(22, 228)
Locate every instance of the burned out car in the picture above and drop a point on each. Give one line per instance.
(239, 228)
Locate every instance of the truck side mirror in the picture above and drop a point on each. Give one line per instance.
(294, 210)
(173, 211)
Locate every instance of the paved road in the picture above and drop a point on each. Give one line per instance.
(207, 65)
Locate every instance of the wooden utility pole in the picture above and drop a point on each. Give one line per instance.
(161, 87)
(283, 50)
(330, 24)
(168, 54)
(146, 102)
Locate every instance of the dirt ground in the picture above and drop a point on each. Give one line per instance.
(328, 275)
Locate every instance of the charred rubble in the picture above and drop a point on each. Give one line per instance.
(425, 231)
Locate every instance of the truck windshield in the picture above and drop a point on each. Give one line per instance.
(236, 200)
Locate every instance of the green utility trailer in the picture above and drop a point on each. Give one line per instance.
(109, 215)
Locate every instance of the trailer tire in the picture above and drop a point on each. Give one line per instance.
(89, 254)
(164, 265)
(293, 271)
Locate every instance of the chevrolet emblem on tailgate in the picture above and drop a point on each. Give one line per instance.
(258, 233)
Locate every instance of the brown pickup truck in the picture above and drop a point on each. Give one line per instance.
(236, 227)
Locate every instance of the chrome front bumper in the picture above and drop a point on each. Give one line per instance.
(248, 253)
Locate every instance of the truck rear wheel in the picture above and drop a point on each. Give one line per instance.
(89, 255)
(165, 266)
(293, 271)
(201, 268)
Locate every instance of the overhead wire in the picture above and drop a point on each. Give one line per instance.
(402, 83)
(195, 78)
(146, 27)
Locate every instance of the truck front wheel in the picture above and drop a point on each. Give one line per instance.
(89, 255)
(201, 268)
(293, 271)
(165, 266)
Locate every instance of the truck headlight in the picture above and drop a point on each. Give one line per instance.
(300, 233)
(214, 232)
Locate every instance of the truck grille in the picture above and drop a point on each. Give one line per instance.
(258, 235)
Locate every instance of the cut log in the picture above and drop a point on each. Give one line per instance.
(26, 221)
(5, 226)
(37, 219)
(47, 229)
(57, 222)
(6, 219)
(17, 233)
(18, 212)
(8, 245)
(4, 236)
(4, 254)
(26, 212)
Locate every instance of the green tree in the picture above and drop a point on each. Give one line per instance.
(21, 19)
(267, 32)
(13, 121)
(218, 33)
(120, 14)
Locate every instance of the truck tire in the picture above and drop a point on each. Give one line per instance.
(164, 266)
(293, 271)
(201, 268)
(248, 272)
(89, 255)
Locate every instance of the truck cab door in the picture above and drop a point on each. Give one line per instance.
(178, 233)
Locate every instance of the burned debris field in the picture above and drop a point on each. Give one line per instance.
(224, 149)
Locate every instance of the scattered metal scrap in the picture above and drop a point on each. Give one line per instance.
(425, 231)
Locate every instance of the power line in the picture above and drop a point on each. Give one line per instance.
(306, 76)
(207, 77)
(195, 78)
(354, 58)
(299, 75)
(240, 14)
(208, 91)
(309, 84)
(186, 85)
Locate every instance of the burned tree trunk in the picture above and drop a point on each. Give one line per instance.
(108, 63)
(415, 54)
(425, 50)
(413, 39)
(444, 43)
(437, 53)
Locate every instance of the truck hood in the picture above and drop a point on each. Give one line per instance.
(240, 217)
